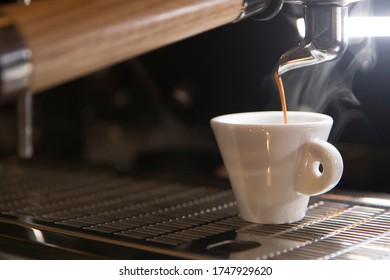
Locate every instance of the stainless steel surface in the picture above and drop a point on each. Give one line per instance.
(325, 38)
(15, 63)
(98, 213)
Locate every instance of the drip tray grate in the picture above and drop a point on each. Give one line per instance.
(180, 219)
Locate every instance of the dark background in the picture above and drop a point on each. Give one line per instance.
(151, 113)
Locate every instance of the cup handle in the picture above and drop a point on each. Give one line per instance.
(310, 180)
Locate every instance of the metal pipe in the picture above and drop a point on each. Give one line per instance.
(325, 37)
(25, 125)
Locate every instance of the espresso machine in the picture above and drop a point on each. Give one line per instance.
(106, 151)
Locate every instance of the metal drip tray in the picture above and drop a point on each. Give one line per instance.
(70, 211)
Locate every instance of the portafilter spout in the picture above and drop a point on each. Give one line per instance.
(325, 34)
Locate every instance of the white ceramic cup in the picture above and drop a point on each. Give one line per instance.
(274, 167)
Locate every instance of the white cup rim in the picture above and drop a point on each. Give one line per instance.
(241, 119)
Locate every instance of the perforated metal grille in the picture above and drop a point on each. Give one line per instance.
(171, 214)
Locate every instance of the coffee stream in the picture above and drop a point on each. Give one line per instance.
(279, 82)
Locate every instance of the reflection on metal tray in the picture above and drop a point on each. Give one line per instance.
(70, 211)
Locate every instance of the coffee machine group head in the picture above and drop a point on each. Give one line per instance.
(325, 34)
(38, 41)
